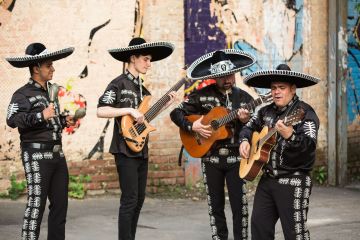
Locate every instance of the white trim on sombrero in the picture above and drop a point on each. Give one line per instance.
(42, 53)
(26, 61)
(40, 56)
(142, 46)
(216, 75)
(268, 73)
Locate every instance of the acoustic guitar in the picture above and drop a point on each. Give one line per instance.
(135, 134)
(261, 145)
(217, 118)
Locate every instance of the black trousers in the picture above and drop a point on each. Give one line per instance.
(286, 198)
(215, 175)
(47, 176)
(132, 177)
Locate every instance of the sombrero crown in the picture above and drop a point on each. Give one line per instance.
(219, 63)
(157, 50)
(37, 53)
(283, 73)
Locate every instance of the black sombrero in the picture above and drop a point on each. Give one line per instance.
(157, 50)
(219, 63)
(283, 73)
(37, 53)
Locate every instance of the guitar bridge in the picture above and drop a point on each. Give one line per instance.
(197, 137)
(130, 140)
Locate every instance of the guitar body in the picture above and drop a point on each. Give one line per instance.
(198, 146)
(259, 155)
(136, 134)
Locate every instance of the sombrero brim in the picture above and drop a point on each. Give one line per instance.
(200, 68)
(157, 50)
(26, 61)
(263, 79)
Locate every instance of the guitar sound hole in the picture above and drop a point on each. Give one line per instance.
(214, 124)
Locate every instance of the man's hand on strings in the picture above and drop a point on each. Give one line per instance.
(172, 96)
(243, 115)
(244, 149)
(138, 116)
(283, 130)
(203, 130)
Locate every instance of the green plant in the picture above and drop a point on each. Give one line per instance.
(320, 174)
(16, 188)
(76, 186)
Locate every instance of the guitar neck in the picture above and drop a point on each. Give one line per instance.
(155, 109)
(233, 114)
(286, 121)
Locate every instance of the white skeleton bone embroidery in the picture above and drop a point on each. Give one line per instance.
(48, 155)
(32, 235)
(37, 178)
(35, 166)
(29, 178)
(26, 156)
(27, 212)
(109, 97)
(310, 129)
(35, 213)
(37, 202)
(37, 156)
(25, 224)
(27, 167)
(32, 225)
(30, 190)
(12, 109)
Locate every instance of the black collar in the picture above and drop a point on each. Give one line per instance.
(35, 83)
(133, 78)
(288, 106)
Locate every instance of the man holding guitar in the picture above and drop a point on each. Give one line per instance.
(221, 162)
(285, 186)
(122, 97)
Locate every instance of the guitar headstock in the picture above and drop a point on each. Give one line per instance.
(266, 98)
(295, 117)
(184, 74)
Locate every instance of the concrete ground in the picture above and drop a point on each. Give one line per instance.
(334, 214)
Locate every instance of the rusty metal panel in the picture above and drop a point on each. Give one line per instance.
(332, 46)
(342, 76)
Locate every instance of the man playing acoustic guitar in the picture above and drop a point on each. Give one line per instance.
(122, 97)
(221, 162)
(284, 188)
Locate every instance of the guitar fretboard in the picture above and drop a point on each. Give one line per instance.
(233, 114)
(154, 110)
(290, 120)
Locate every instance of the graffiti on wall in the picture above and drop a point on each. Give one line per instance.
(98, 148)
(8, 4)
(274, 36)
(272, 31)
(353, 83)
(202, 35)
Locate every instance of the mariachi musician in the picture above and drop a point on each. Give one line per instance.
(122, 97)
(221, 162)
(284, 188)
(35, 111)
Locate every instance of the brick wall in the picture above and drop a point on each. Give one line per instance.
(315, 63)
(60, 24)
(65, 23)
